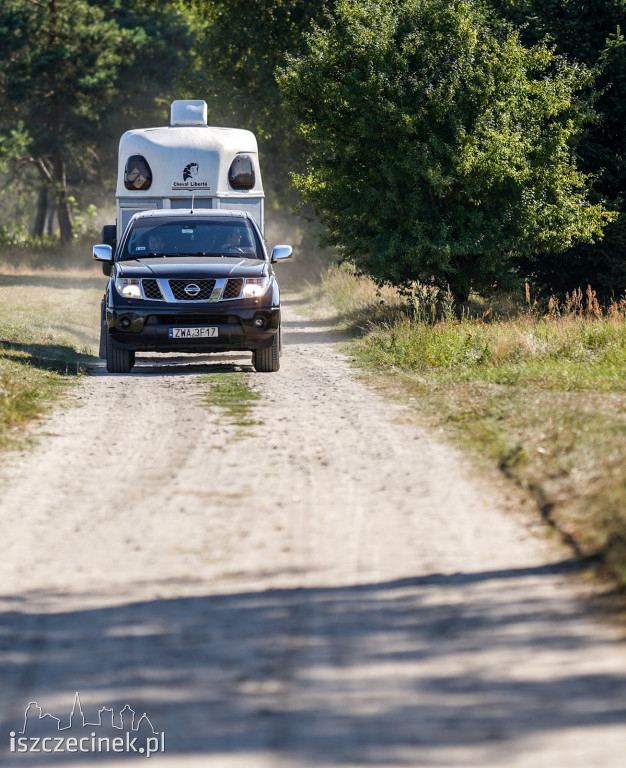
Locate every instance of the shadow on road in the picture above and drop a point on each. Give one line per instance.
(296, 332)
(348, 675)
(297, 338)
(180, 365)
(47, 357)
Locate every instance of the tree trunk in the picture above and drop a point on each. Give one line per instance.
(51, 212)
(460, 295)
(461, 280)
(64, 216)
(42, 207)
(66, 228)
(460, 291)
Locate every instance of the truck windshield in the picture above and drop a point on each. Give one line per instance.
(191, 237)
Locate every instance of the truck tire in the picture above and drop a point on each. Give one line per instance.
(118, 360)
(102, 351)
(268, 360)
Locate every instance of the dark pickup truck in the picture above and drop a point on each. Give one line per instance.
(190, 281)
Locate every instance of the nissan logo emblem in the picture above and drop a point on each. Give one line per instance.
(191, 289)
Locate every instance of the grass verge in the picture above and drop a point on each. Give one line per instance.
(540, 396)
(48, 327)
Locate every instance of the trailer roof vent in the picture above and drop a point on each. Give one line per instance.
(188, 113)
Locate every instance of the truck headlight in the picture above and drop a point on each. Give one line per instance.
(254, 287)
(128, 287)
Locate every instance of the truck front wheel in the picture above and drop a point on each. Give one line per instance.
(102, 350)
(268, 360)
(118, 360)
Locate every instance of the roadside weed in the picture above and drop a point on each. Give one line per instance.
(230, 392)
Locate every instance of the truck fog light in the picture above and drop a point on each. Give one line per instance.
(259, 322)
(125, 323)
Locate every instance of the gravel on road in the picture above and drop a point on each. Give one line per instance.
(332, 585)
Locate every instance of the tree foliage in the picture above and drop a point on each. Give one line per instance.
(67, 66)
(240, 44)
(439, 147)
(13, 146)
(591, 33)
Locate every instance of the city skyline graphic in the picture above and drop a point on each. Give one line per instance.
(106, 718)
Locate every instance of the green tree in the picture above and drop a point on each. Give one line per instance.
(13, 146)
(240, 44)
(67, 65)
(590, 33)
(439, 147)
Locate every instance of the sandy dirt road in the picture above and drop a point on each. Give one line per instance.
(333, 588)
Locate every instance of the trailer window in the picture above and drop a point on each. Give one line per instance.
(137, 174)
(241, 173)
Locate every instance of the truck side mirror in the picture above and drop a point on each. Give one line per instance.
(104, 254)
(281, 252)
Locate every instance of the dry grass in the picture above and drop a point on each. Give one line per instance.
(49, 322)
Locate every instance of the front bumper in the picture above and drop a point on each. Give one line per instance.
(146, 328)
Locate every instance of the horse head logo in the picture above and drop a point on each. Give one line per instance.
(190, 170)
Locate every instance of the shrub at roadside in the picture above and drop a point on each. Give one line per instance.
(566, 354)
(591, 33)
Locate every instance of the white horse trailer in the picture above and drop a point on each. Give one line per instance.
(185, 164)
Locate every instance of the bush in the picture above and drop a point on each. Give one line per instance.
(439, 147)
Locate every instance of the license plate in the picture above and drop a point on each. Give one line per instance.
(193, 333)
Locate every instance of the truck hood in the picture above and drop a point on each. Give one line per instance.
(196, 267)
